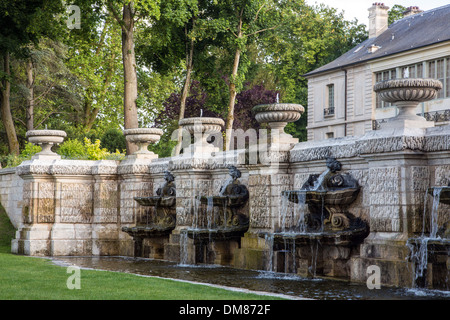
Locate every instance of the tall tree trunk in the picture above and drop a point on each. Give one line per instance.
(30, 97)
(232, 90)
(8, 123)
(187, 83)
(130, 75)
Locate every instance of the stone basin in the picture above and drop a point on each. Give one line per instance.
(201, 128)
(354, 235)
(444, 196)
(221, 233)
(341, 196)
(278, 112)
(149, 231)
(277, 116)
(160, 202)
(202, 124)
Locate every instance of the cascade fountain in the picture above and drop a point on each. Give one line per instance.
(216, 230)
(323, 235)
(430, 252)
(153, 230)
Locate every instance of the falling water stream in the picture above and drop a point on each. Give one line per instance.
(292, 222)
(419, 246)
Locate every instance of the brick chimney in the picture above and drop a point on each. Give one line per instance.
(411, 11)
(378, 19)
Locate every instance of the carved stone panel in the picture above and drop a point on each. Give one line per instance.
(259, 189)
(385, 199)
(106, 202)
(45, 202)
(130, 210)
(77, 202)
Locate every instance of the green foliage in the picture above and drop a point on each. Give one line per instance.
(7, 231)
(395, 13)
(113, 139)
(94, 151)
(87, 150)
(12, 160)
(78, 80)
(30, 150)
(72, 149)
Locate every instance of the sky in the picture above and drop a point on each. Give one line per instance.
(358, 8)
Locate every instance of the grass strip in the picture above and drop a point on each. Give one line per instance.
(32, 278)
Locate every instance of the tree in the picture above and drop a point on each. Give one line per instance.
(181, 35)
(94, 58)
(44, 87)
(132, 11)
(167, 119)
(22, 22)
(242, 21)
(246, 100)
(395, 13)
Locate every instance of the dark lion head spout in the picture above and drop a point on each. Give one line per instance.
(333, 164)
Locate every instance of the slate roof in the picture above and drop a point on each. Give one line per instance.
(416, 31)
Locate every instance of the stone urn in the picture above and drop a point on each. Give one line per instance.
(277, 116)
(202, 128)
(46, 139)
(143, 137)
(406, 94)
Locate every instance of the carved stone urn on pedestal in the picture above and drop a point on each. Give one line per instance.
(46, 139)
(406, 94)
(201, 128)
(277, 116)
(143, 137)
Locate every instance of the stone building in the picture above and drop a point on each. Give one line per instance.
(341, 99)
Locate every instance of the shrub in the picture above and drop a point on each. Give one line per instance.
(12, 160)
(113, 140)
(77, 150)
(94, 151)
(30, 150)
(72, 149)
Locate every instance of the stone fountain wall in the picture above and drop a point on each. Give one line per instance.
(65, 207)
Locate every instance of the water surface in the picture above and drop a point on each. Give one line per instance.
(279, 283)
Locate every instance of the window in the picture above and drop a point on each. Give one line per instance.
(329, 110)
(439, 69)
(412, 71)
(330, 135)
(447, 78)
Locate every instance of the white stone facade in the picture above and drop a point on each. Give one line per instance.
(356, 107)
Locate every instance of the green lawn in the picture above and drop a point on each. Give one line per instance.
(34, 278)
